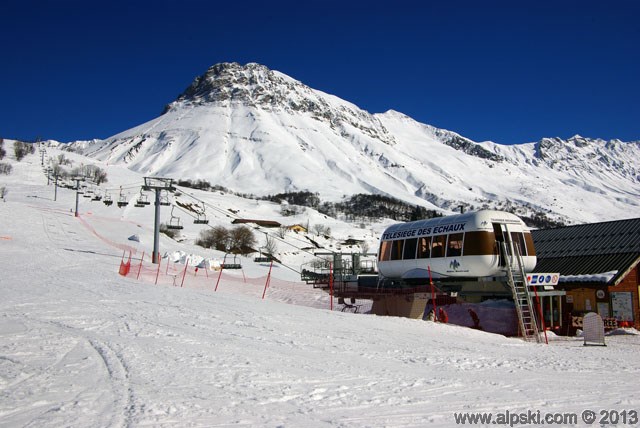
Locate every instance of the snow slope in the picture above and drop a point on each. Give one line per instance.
(82, 346)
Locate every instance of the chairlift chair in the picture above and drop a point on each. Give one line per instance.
(174, 222)
(107, 200)
(201, 217)
(234, 265)
(142, 200)
(164, 198)
(122, 201)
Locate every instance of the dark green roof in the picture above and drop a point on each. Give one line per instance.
(589, 249)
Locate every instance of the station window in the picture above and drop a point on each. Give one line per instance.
(396, 249)
(454, 245)
(424, 247)
(518, 241)
(438, 245)
(528, 239)
(480, 244)
(385, 251)
(410, 249)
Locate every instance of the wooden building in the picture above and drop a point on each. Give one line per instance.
(297, 228)
(263, 223)
(599, 270)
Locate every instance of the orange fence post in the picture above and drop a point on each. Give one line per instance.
(140, 267)
(433, 295)
(185, 272)
(266, 283)
(544, 327)
(158, 271)
(219, 275)
(128, 265)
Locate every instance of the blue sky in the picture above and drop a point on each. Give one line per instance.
(506, 71)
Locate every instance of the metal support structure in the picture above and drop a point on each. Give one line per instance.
(157, 184)
(78, 180)
(156, 229)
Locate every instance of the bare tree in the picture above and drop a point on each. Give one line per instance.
(282, 231)
(5, 168)
(318, 229)
(270, 246)
(217, 238)
(21, 149)
(242, 240)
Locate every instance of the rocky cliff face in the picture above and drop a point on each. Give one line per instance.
(591, 156)
(254, 85)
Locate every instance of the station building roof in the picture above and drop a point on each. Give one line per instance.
(594, 252)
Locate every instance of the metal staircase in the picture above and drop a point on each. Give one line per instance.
(517, 279)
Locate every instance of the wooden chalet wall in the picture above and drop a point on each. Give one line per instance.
(631, 283)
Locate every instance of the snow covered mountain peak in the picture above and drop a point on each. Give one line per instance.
(259, 131)
(254, 85)
(232, 82)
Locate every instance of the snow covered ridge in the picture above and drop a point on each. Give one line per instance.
(258, 131)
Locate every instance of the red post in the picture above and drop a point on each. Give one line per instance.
(266, 284)
(158, 271)
(433, 295)
(185, 272)
(140, 267)
(544, 328)
(128, 264)
(220, 274)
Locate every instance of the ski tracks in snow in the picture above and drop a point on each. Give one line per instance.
(63, 372)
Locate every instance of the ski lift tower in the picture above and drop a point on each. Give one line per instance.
(157, 184)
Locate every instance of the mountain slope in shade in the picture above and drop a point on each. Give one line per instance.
(256, 130)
